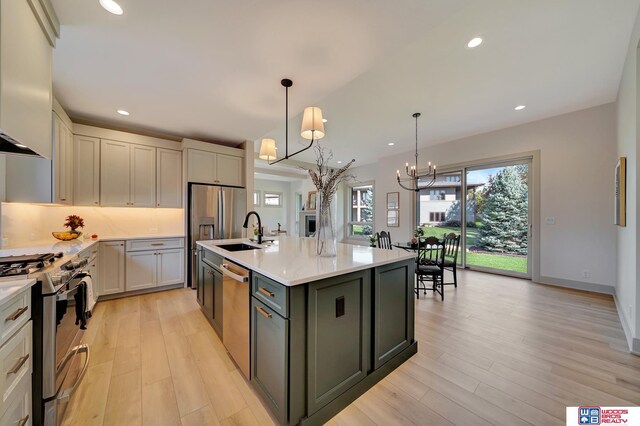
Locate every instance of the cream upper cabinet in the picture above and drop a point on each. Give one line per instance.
(127, 174)
(86, 171)
(143, 176)
(25, 76)
(62, 162)
(115, 159)
(202, 166)
(169, 178)
(229, 170)
(214, 168)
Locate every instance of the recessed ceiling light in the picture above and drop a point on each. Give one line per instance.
(391, 144)
(474, 42)
(520, 107)
(123, 112)
(111, 6)
(339, 162)
(324, 120)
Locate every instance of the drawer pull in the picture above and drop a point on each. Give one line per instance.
(265, 292)
(157, 244)
(263, 312)
(23, 421)
(16, 314)
(18, 365)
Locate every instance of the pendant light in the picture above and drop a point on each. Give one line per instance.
(312, 129)
(414, 180)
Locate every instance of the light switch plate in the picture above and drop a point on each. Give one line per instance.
(550, 220)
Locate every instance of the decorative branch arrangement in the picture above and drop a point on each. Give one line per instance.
(326, 180)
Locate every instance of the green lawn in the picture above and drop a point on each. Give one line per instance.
(497, 261)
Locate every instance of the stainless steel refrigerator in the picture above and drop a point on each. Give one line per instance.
(215, 212)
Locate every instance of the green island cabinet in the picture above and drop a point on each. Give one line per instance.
(316, 347)
(209, 287)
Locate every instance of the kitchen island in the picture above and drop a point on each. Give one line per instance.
(322, 330)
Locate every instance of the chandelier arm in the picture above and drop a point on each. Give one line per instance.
(404, 187)
(303, 149)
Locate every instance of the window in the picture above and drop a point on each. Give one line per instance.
(437, 194)
(256, 198)
(436, 216)
(452, 178)
(361, 210)
(272, 199)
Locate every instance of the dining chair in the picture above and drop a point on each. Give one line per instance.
(450, 263)
(429, 266)
(384, 240)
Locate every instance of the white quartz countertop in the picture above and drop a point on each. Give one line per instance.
(293, 260)
(11, 287)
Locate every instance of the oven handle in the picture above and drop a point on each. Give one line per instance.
(65, 394)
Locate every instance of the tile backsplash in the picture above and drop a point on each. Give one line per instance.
(23, 223)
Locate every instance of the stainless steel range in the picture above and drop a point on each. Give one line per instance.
(60, 360)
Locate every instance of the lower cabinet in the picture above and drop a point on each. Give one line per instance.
(209, 293)
(338, 330)
(269, 360)
(112, 260)
(146, 269)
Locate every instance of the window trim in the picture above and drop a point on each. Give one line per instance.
(257, 195)
(280, 199)
(348, 223)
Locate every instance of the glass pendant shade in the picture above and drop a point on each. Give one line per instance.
(312, 125)
(268, 149)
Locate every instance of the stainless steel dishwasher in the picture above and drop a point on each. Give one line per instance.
(235, 313)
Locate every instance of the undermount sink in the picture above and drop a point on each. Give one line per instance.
(238, 247)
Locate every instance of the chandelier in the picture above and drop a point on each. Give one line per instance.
(312, 128)
(414, 180)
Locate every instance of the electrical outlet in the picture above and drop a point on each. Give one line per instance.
(550, 220)
(153, 230)
(586, 273)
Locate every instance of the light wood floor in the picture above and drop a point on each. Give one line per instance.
(497, 351)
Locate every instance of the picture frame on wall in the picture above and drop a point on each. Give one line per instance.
(393, 200)
(311, 200)
(620, 212)
(393, 218)
(393, 209)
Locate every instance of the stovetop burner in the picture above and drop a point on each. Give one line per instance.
(25, 264)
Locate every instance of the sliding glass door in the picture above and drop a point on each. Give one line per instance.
(497, 232)
(489, 206)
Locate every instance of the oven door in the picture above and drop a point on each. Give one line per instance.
(65, 373)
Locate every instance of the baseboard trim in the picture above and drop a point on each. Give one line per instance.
(139, 292)
(634, 344)
(577, 285)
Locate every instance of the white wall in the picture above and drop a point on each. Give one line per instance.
(23, 224)
(271, 216)
(576, 185)
(628, 122)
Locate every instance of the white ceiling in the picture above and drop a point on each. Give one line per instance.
(212, 69)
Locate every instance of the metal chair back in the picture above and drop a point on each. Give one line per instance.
(384, 240)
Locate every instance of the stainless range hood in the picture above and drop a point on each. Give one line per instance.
(9, 145)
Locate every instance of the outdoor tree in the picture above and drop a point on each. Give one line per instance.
(367, 212)
(505, 213)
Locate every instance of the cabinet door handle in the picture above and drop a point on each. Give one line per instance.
(23, 421)
(265, 292)
(157, 244)
(16, 314)
(263, 312)
(18, 365)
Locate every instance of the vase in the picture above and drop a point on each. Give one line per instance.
(325, 226)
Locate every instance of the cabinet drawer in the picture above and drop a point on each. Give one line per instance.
(212, 257)
(271, 293)
(155, 244)
(18, 409)
(15, 363)
(13, 314)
